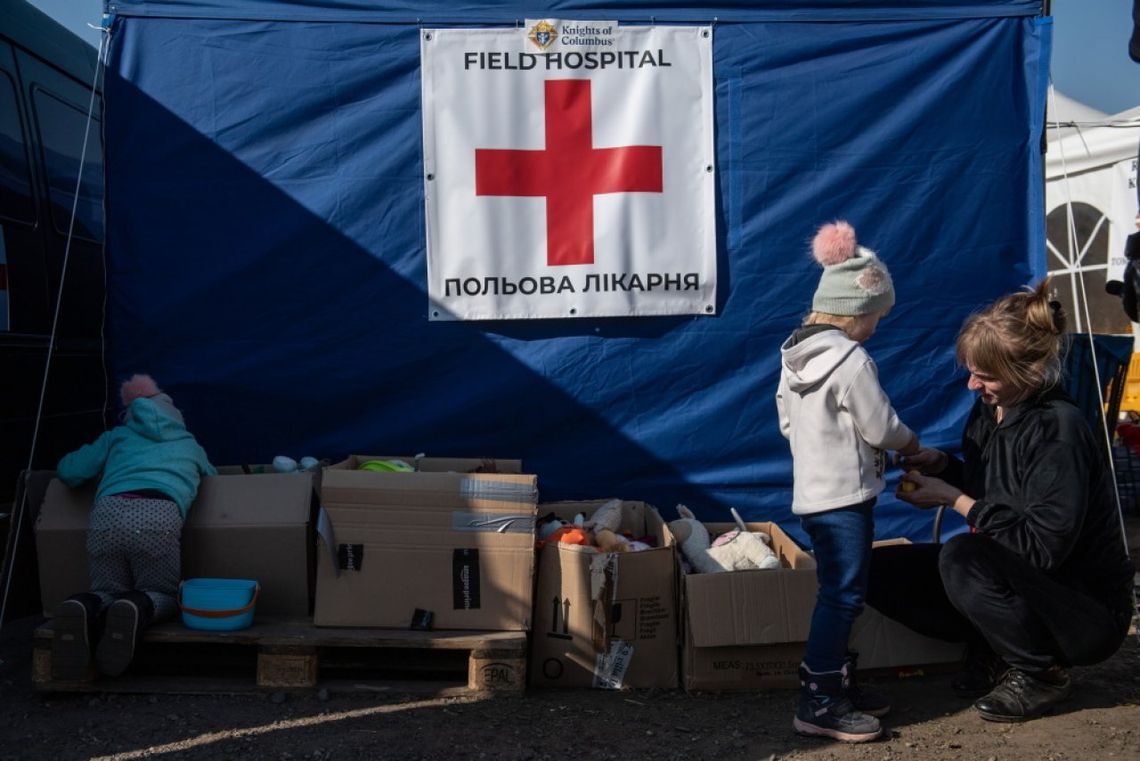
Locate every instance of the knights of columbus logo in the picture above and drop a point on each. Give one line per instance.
(543, 34)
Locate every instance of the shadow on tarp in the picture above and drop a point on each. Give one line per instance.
(308, 344)
(265, 230)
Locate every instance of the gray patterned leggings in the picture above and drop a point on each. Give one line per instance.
(136, 543)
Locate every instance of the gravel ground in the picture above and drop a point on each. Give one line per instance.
(1101, 721)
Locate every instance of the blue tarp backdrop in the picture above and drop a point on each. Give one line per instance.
(266, 247)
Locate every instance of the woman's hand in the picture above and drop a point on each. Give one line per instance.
(928, 491)
(929, 461)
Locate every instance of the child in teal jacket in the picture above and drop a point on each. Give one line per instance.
(149, 469)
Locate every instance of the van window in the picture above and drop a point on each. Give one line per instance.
(15, 179)
(61, 128)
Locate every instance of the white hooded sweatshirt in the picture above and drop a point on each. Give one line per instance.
(837, 418)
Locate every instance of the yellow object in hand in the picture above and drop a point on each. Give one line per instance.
(909, 485)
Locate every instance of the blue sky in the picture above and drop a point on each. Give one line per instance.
(1090, 47)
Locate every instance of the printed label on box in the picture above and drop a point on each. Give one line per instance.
(653, 613)
(350, 557)
(560, 618)
(465, 579)
(611, 667)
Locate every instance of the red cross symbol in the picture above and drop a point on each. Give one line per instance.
(569, 172)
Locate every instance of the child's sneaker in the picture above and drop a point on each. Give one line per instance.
(72, 634)
(126, 619)
(824, 710)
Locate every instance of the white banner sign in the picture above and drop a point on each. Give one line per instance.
(1125, 214)
(568, 171)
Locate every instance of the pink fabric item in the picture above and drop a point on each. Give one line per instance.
(138, 386)
(834, 243)
(725, 538)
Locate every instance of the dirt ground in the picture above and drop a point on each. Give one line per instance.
(1101, 721)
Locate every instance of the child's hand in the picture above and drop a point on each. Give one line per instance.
(929, 461)
(925, 491)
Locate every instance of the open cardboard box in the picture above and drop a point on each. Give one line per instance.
(240, 526)
(747, 629)
(450, 546)
(606, 620)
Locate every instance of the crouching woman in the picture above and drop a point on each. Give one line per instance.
(1043, 580)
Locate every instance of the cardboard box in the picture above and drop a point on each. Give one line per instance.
(607, 620)
(452, 544)
(240, 526)
(424, 464)
(747, 630)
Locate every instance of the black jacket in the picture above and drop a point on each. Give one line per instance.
(1043, 490)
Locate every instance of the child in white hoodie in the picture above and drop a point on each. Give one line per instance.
(839, 423)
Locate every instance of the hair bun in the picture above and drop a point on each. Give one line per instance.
(834, 243)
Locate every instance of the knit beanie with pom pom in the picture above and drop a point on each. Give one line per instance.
(143, 387)
(138, 386)
(854, 281)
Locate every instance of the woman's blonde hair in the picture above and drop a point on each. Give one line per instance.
(1017, 339)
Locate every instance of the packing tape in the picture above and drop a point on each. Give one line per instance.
(499, 491)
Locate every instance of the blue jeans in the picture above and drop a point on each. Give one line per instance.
(841, 540)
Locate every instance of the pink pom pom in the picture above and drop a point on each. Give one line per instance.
(834, 243)
(138, 386)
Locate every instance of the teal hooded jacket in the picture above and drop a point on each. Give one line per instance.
(151, 450)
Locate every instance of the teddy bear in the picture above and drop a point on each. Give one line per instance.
(746, 550)
(605, 525)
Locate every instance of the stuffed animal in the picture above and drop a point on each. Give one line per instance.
(744, 551)
(550, 529)
(694, 540)
(606, 524)
(568, 534)
(608, 516)
(610, 541)
(548, 524)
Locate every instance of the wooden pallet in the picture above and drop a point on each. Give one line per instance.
(296, 656)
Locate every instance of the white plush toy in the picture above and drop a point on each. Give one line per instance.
(608, 516)
(743, 552)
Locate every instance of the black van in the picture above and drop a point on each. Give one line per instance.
(46, 76)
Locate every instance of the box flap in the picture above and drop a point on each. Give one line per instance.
(358, 487)
(424, 464)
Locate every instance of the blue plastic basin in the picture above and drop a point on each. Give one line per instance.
(218, 604)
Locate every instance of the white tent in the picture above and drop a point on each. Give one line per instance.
(1066, 115)
(1090, 203)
